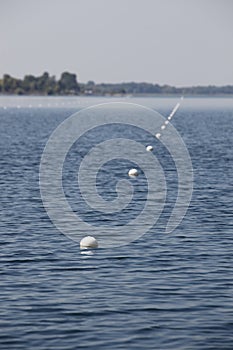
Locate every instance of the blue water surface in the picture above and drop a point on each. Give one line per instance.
(163, 291)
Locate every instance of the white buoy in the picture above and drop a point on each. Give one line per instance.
(163, 127)
(88, 242)
(133, 172)
(170, 117)
(158, 135)
(166, 122)
(149, 148)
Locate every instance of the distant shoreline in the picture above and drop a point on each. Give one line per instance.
(175, 95)
(67, 85)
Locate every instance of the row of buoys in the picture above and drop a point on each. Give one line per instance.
(149, 148)
(43, 105)
(163, 127)
(88, 243)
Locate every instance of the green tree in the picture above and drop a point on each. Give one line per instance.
(43, 82)
(29, 84)
(7, 83)
(68, 83)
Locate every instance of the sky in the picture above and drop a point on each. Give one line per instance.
(174, 42)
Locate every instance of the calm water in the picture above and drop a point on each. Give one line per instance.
(160, 292)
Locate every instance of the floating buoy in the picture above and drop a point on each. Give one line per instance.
(133, 172)
(170, 117)
(163, 127)
(166, 122)
(158, 135)
(149, 148)
(88, 242)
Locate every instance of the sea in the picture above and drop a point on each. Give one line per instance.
(160, 291)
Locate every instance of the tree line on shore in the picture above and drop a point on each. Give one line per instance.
(68, 85)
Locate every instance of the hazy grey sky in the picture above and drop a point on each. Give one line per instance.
(177, 42)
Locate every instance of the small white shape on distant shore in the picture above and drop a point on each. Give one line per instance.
(149, 148)
(133, 172)
(158, 135)
(88, 242)
(163, 127)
